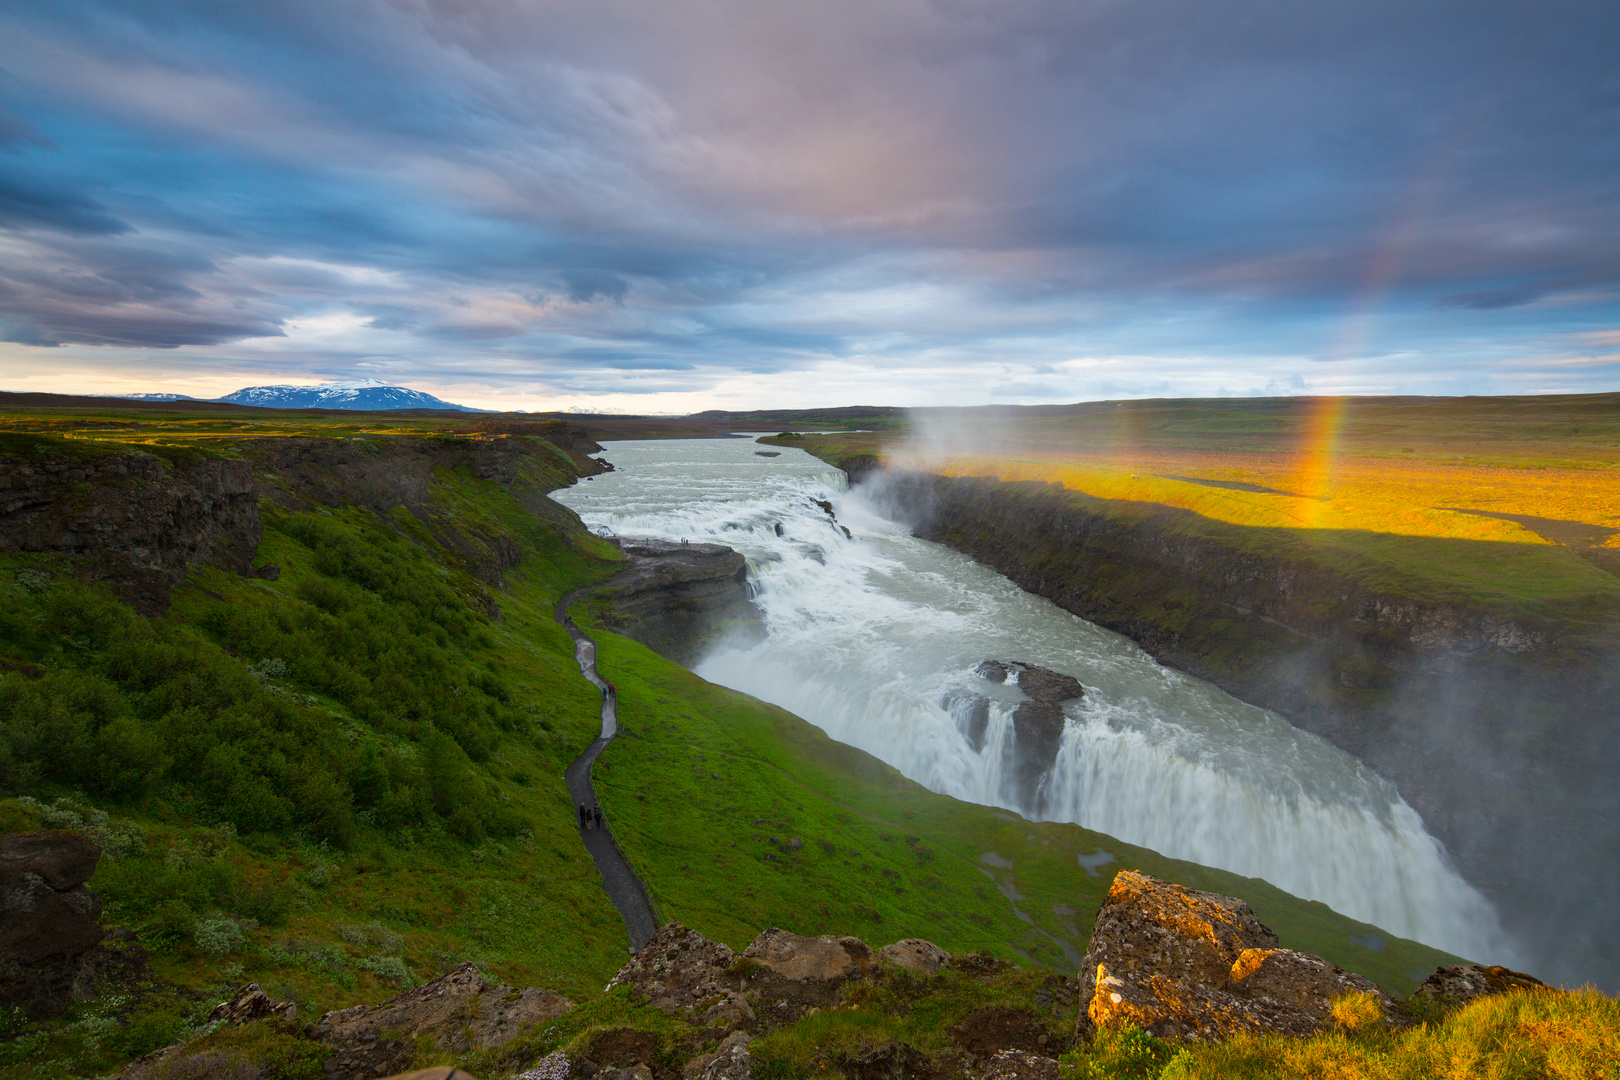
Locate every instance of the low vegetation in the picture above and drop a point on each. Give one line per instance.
(346, 780)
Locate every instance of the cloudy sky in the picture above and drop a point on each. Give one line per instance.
(680, 204)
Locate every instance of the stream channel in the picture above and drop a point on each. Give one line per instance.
(869, 635)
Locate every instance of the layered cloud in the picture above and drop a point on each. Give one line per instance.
(685, 202)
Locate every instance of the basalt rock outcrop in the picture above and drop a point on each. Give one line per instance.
(1193, 965)
(1038, 720)
(143, 523)
(458, 1013)
(51, 951)
(139, 522)
(252, 1003)
(1453, 986)
(678, 598)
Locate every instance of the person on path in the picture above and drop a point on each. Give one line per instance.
(584, 816)
(604, 691)
(596, 813)
(613, 692)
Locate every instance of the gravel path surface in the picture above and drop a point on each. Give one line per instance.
(623, 887)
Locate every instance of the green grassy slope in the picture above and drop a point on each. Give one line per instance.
(702, 778)
(336, 784)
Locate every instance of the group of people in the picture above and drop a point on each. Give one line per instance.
(609, 691)
(590, 816)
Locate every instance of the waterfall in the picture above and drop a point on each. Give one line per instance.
(874, 638)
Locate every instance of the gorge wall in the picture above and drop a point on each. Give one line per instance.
(1500, 734)
(142, 519)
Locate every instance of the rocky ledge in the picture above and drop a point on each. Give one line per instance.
(1182, 965)
(678, 598)
(1037, 721)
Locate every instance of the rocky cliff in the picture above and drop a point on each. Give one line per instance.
(677, 599)
(1498, 732)
(142, 521)
(138, 520)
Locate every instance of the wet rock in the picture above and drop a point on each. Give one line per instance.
(972, 715)
(50, 935)
(915, 955)
(1037, 722)
(675, 598)
(1020, 1065)
(680, 969)
(1454, 986)
(1192, 965)
(459, 1011)
(252, 1003)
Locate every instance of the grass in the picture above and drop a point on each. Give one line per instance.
(1517, 1036)
(881, 858)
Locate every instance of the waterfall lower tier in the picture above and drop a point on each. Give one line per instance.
(876, 637)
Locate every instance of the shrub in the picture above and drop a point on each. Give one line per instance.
(216, 935)
(390, 969)
(1127, 1053)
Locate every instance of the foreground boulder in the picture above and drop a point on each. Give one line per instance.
(1193, 965)
(915, 955)
(50, 934)
(1456, 986)
(1020, 1065)
(789, 974)
(682, 969)
(458, 1012)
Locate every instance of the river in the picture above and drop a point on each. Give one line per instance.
(868, 635)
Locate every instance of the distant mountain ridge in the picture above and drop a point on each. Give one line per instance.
(368, 394)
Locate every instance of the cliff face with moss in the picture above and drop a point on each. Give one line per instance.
(1499, 730)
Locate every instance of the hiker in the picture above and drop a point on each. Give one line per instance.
(604, 691)
(597, 814)
(584, 816)
(613, 692)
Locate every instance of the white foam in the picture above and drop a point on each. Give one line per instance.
(866, 638)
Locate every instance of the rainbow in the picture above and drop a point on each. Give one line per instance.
(1319, 452)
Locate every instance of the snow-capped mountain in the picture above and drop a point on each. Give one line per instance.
(367, 394)
(156, 397)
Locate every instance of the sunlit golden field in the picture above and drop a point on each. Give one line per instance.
(1416, 498)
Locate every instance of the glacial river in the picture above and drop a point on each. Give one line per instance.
(868, 634)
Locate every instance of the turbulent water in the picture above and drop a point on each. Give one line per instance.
(868, 635)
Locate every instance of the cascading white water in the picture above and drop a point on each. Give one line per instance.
(869, 637)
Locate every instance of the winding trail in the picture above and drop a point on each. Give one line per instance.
(623, 887)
